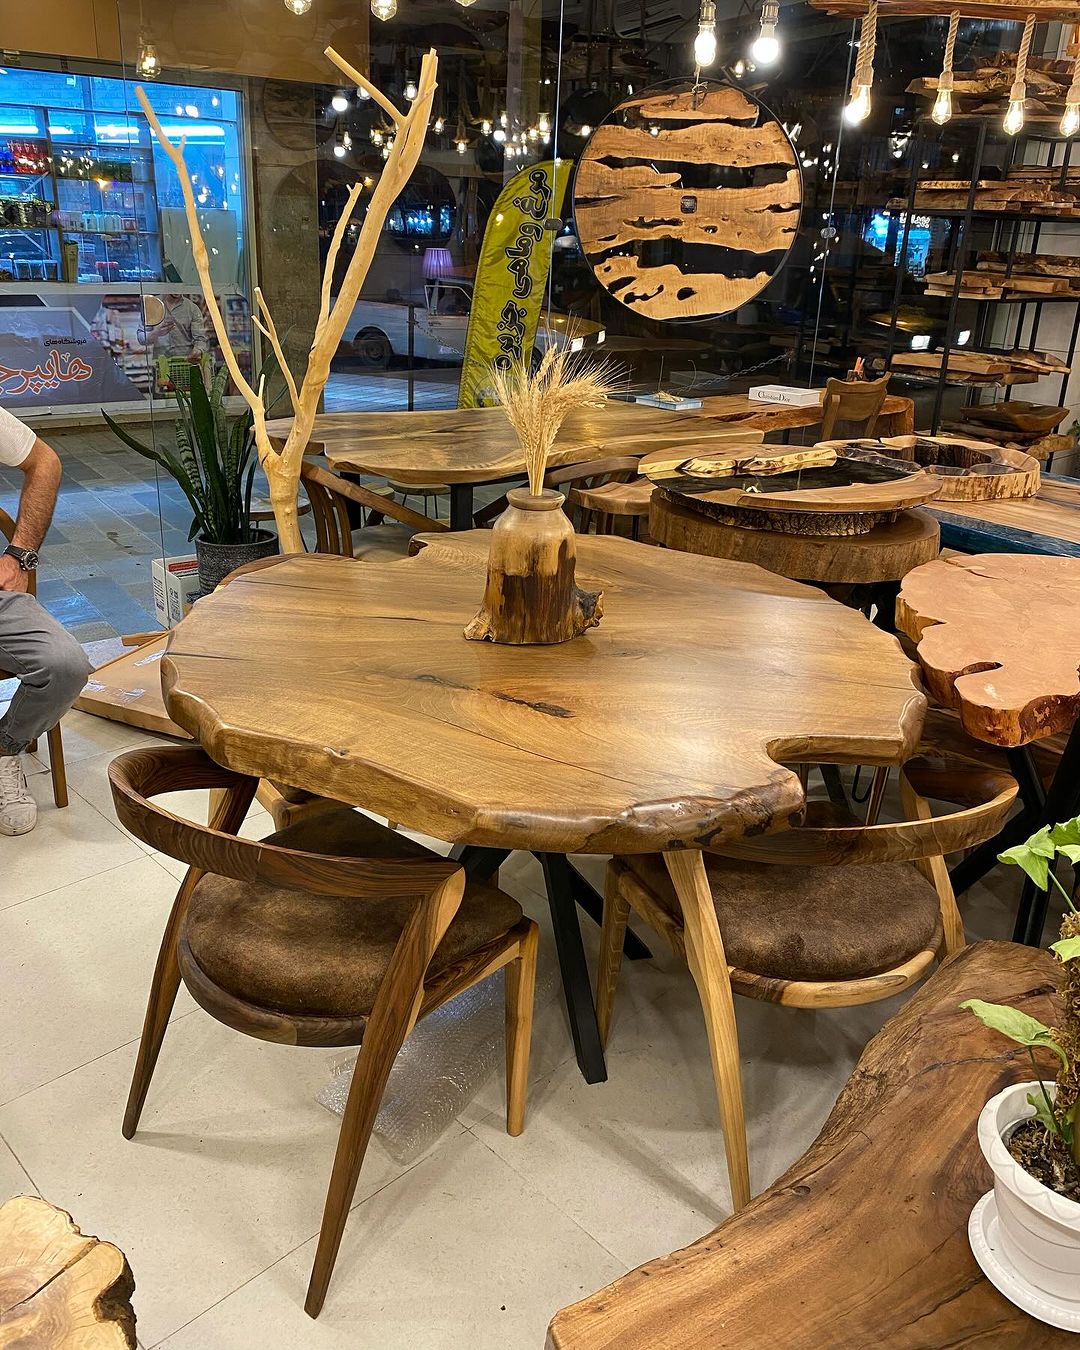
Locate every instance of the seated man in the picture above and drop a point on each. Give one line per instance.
(50, 664)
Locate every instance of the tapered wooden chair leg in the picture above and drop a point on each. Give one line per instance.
(373, 1065)
(708, 965)
(227, 816)
(57, 768)
(612, 937)
(520, 999)
(159, 1006)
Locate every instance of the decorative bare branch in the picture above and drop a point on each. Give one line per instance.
(282, 466)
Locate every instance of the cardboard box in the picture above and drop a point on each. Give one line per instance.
(786, 393)
(176, 583)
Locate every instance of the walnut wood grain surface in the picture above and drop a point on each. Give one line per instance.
(660, 728)
(478, 445)
(998, 639)
(863, 1241)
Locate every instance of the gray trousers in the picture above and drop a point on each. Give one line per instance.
(48, 661)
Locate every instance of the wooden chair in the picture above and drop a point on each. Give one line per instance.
(334, 932)
(852, 401)
(601, 493)
(54, 737)
(329, 496)
(828, 914)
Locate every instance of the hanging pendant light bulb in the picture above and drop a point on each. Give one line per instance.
(147, 66)
(485, 126)
(410, 88)
(705, 42)
(361, 92)
(340, 102)
(1070, 118)
(942, 110)
(377, 137)
(339, 150)
(384, 9)
(543, 125)
(1014, 118)
(298, 6)
(766, 48)
(858, 109)
(438, 125)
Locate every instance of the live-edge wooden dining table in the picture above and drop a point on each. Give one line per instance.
(662, 730)
(468, 447)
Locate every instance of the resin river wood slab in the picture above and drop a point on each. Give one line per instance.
(967, 470)
(859, 489)
(998, 639)
(60, 1289)
(687, 201)
(863, 1241)
(667, 726)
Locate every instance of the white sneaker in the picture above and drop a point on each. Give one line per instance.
(18, 810)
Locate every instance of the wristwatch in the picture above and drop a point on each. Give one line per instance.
(27, 558)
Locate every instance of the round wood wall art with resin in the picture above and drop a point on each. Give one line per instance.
(687, 201)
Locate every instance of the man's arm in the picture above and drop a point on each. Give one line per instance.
(36, 504)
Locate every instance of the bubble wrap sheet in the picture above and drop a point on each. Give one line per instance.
(448, 1058)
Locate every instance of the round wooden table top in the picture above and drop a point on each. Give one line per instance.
(661, 728)
(999, 639)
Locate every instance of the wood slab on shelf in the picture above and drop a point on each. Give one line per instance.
(1048, 523)
(1017, 415)
(967, 470)
(886, 553)
(998, 639)
(478, 445)
(664, 727)
(59, 1288)
(128, 690)
(863, 1241)
(1044, 10)
(687, 201)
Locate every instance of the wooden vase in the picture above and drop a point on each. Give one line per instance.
(531, 596)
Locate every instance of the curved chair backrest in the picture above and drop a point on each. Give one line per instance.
(138, 775)
(571, 478)
(330, 495)
(852, 401)
(986, 795)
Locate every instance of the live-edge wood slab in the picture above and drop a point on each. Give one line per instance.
(662, 728)
(999, 639)
(60, 1289)
(862, 1243)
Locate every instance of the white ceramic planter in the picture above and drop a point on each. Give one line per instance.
(1038, 1232)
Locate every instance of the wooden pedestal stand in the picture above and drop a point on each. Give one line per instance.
(531, 596)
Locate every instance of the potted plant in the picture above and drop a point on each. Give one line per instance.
(214, 461)
(1030, 1132)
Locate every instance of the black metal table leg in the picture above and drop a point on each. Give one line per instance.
(480, 864)
(592, 902)
(577, 989)
(1062, 803)
(834, 785)
(461, 506)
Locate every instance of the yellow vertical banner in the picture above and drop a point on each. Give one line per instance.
(512, 274)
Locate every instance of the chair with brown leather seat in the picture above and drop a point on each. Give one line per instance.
(334, 932)
(53, 737)
(857, 402)
(831, 913)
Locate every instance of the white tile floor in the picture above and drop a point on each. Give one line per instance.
(217, 1201)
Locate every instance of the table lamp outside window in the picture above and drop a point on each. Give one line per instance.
(437, 263)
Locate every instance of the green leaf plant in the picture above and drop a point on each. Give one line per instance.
(213, 458)
(1037, 857)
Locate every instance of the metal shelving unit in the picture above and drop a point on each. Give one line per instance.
(1004, 228)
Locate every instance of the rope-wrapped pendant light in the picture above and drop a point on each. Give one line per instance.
(1070, 118)
(1014, 118)
(943, 103)
(858, 109)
